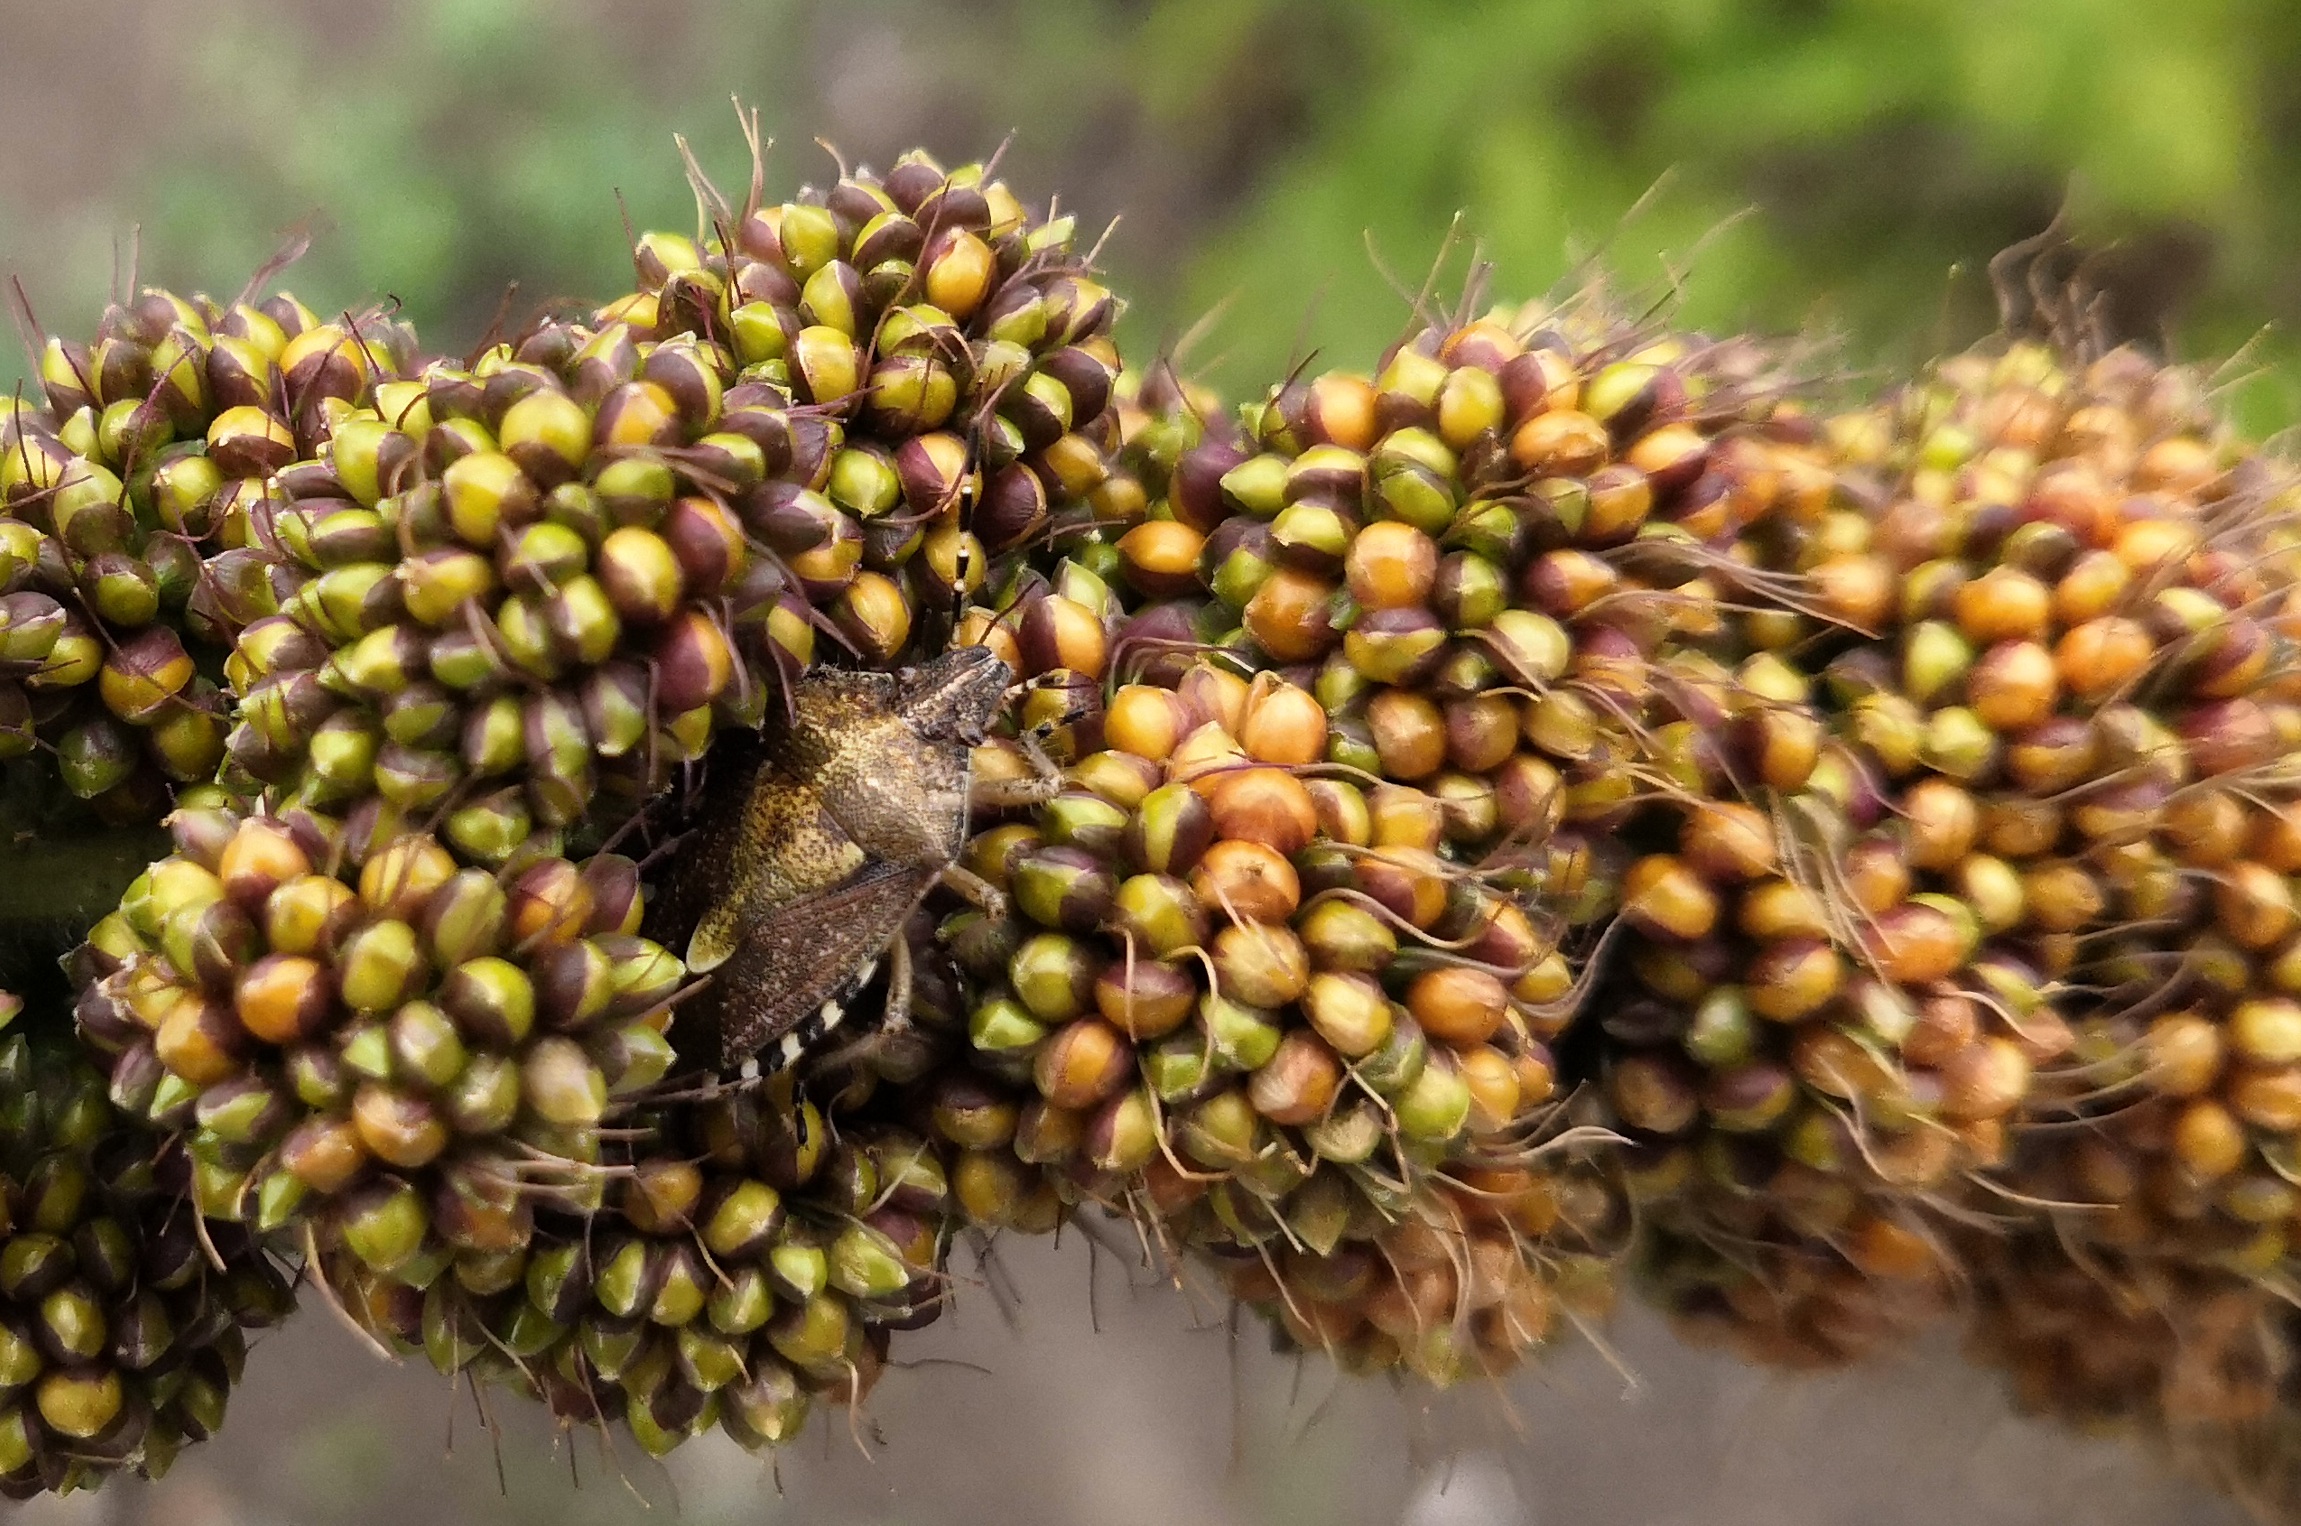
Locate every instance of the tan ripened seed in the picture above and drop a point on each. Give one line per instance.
(1776, 909)
(2003, 604)
(1145, 720)
(1661, 894)
(1298, 1083)
(2208, 1141)
(1267, 806)
(1461, 1007)
(261, 856)
(2266, 1031)
(1248, 881)
(1391, 565)
(2267, 1098)
(1261, 964)
(2104, 656)
(1726, 842)
(2183, 1053)
(1941, 821)
(1349, 1010)
(2253, 904)
(1281, 723)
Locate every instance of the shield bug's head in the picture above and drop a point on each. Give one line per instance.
(954, 697)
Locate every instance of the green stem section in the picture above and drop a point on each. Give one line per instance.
(73, 880)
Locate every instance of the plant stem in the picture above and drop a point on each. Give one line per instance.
(74, 880)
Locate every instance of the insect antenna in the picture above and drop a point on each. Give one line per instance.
(962, 594)
(952, 597)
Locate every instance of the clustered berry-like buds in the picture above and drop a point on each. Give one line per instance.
(554, 570)
(1547, 810)
(746, 1262)
(121, 1321)
(407, 1053)
(133, 526)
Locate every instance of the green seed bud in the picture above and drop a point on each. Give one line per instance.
(765, 1408)
(1241, 1037)
(425, 1046)
(866, 1264)
(1934, 660)
(683, 1289)
(542, 557)
(562, 1085)
(813, 1336)
(95, 757)
(491, 1000)
(620, 1284)
(634, 1058)
(1002, 1025)
(1160, 914)
(1348, 1135)
(380, 966)
(487, 491)
(1222, 1133)
(548, 434)
(438, 586)
(1958, 743)
(800, 1271)
(1435, 1106)
(484, 1098)
(740, 1301)
(1122, 1135)
(1723, 1032)
(611, 1346)
(640, 575)
(529, 1332)
(1054, 976)
(1400, 1060)
(385, 1227)
(79, 1404)
(744, 1222)
(494, 737)
(1167, 833)
(1178, 1066)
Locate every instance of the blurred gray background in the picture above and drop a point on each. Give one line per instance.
(1275, 165)
(1132, 1405)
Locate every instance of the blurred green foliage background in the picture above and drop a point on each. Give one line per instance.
(1848, 165)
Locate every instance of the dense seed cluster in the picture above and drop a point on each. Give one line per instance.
(1997, 840)
(2088, 735)
(1472, 1276)
(1801, 1270)
(1228, 977)
(557, 568)
(750, 1257)
(1878, 826)
(120, 1338)
(1289, 942)
(2114, 1343)
(958, 343)
(133, 510)
(407, 1054)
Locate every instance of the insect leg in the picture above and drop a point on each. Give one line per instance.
(1045, 781)
(976, 891)
(1005, 794)
(893, 1022)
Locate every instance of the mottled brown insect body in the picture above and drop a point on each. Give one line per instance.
(808, 861)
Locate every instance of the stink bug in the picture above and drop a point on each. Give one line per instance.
(814, 849)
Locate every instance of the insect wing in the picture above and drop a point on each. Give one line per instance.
(698, 867)
(788, 962)
(786, 850)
